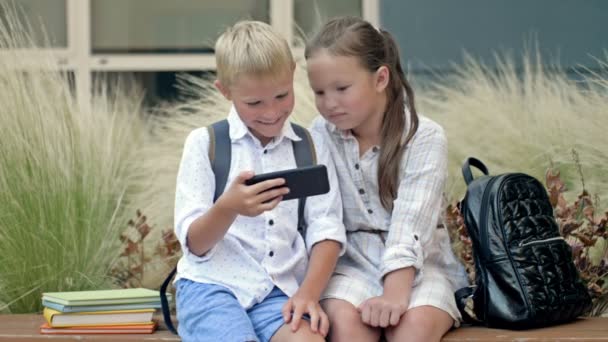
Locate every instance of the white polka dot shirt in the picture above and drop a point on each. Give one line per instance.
(257, 253)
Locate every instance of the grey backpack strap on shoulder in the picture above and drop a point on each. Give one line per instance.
(305, 154)
(220, 154)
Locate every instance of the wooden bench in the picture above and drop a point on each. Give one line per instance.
(21, 328)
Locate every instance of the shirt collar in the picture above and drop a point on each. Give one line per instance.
(344, 134)
(347, 134)
(238, 129)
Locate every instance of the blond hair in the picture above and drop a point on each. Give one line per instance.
(251, 48)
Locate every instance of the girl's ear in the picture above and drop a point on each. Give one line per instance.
(224, 90)
(382, 76)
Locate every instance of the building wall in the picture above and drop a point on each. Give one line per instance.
(433, 33)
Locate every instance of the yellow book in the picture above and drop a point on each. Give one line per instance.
(97, 318)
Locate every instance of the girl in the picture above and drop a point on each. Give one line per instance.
(399, 274)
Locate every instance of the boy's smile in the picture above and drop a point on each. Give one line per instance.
(263, 102)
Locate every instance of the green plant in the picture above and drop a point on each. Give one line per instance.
(526, 117)
(137, 255)
(67, 175)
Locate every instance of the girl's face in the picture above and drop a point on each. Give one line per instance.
(347, 94)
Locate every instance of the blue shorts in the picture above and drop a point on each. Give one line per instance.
(208, 312)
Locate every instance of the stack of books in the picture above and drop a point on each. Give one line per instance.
(121, 311)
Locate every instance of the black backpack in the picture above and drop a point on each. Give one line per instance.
(220, 154)
(524, 273)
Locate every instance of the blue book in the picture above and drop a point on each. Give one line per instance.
(93, 308)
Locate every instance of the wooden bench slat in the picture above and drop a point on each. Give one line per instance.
(25, 328)
(584, 329)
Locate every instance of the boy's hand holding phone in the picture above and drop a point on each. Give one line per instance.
(251, 195)
(252, 200)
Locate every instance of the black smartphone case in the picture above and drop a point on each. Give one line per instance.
(302, 182)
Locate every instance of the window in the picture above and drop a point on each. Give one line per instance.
(160, 26)
(309, 15)
(47, 19)
(151, 41)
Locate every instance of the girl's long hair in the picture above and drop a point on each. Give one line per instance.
(355, 37)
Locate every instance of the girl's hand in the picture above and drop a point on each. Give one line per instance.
(303, 303)
(254, 199)
(383, 311)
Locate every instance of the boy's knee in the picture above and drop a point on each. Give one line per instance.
(303, 334)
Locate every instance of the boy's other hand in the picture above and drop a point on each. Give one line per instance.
(300, 304)
(254, 199)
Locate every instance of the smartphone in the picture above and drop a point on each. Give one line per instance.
(302, 182)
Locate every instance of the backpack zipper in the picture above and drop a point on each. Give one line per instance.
(483, 234)
(530, 243)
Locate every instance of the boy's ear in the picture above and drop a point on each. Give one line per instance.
(382, 76)
(224, 90)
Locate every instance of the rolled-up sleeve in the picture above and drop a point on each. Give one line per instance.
(323, 213)
(194, 190)
(418, 204)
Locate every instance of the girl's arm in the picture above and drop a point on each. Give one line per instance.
(417, 207)
(386, 310)
(414, 218)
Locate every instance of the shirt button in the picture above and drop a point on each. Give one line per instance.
(357, 166)
(375, 149)
(361, 191)
(265, 151)
(416, 237)
(271, 222)
(370, 211)
(271, 254)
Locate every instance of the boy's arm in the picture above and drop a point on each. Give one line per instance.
(238, 199)
(194, 188)
(321, 265)
(199, 223)
(325, 240)
(208, 229)
(323, 258)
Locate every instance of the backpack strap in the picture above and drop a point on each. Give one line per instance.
(220, 154)
(165, 303)
(305, 154)
(464, 302)
(466, 168)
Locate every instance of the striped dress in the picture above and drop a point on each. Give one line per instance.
(378, 241)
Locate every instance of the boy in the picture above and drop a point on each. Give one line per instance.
(245, 274)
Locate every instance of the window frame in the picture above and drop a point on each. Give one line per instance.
(78, 57)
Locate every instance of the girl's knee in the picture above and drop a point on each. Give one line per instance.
(345, 322)
(421, 324)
